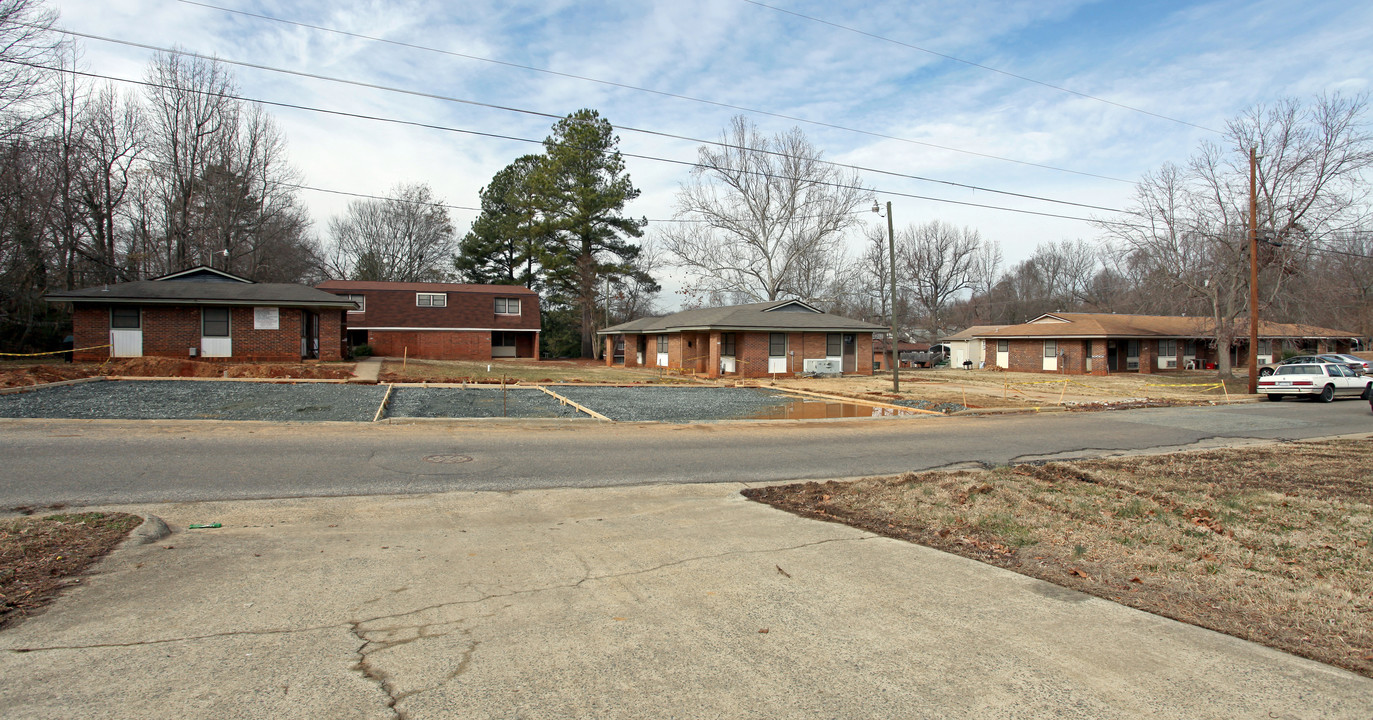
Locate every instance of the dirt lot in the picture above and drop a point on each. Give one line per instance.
(526, 371)
(1000, 389)
(1268, 544)
(40, 556)
(20, 374)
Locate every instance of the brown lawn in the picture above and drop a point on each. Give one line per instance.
(1268, 544)
(40, 556)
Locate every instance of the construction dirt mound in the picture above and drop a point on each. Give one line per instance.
(169, 367)
(40, 374)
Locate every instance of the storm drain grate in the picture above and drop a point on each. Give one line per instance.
(448, 459)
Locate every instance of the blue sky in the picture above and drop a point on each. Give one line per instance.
(1201, 63)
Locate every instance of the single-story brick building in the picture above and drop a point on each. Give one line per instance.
(208, 314)
(1104, 343)
(441, 321)
(782, 337)
(968, 346)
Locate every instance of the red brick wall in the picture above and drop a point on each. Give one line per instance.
(171, 331)
(431, 344)
(467, 309)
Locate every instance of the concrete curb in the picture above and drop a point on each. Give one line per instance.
(152, 530)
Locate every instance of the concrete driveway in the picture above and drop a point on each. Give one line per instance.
(678, 601)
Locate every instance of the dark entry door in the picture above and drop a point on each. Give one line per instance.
(850, 353)
(309, 334)
(1111, 356)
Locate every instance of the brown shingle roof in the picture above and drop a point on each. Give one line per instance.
(1057, 325)
(973, 331)
(753, 316)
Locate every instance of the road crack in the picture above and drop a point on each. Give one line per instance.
(187, 638)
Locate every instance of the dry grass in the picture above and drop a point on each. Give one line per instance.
(1000, 389)
(1268, 544)
(40, 556)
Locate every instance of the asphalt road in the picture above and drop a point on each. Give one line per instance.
(48, 462)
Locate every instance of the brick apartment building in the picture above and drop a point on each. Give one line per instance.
(1105, 343)
(205, 314)
(441, 321)
(754, 340)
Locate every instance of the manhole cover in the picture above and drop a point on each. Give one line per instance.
(448, 459)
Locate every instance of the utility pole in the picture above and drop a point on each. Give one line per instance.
(1253, 272)
(893, 342)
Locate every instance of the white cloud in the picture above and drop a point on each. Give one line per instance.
(1201, 62)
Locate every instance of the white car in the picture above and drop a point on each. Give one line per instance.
(1323, 381)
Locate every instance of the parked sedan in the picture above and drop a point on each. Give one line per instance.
(1349, 360)
(1323, 381)
(1357, 364)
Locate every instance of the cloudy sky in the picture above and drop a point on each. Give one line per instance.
(949, 91)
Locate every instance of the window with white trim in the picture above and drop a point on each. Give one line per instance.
(1050, 348)
(1167, 348)
(507, 306)
(431, 299)
(1003, 345)
(777, 345)
(662, 343)
(360, 300)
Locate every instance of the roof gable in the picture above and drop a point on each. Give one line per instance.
(793, 306)
(201, 273)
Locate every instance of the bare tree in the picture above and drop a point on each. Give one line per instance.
(1191, 225)
(763, 217)
(405, 238)
(27, 43)
(115, 141)
(192, 115)
(937, 260)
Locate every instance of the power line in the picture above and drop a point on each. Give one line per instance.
(611, 83)
(537, 113)
(978, 65)
(464, 131)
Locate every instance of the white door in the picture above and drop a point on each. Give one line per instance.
(126, 343)
(126, 331)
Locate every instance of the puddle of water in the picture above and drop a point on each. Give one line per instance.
(821, 410)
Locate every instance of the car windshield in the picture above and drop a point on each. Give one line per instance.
(1300, 370)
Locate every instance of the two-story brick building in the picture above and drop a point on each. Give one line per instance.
(203, 313)
(441, 321)
(754, 340)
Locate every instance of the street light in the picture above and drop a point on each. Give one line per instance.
(892, 341)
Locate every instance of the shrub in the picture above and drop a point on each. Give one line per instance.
(362, 350)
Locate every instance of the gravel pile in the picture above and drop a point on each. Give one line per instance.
(944, 407)
(475, 403)
(674, 404)
(187, 400)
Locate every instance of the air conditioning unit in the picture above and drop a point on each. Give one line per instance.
(823, 366)
(1171, 364)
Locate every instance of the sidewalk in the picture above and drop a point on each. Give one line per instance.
(679, 601)
(367, 370)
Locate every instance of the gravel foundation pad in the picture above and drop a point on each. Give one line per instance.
(475, 403)
(675, 404)
(182, 400)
